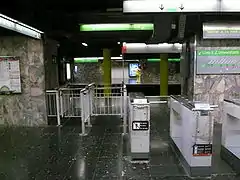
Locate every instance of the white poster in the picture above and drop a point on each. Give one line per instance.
(10, 75)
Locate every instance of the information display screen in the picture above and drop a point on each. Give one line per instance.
(132, 69)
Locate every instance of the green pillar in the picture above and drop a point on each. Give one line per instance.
(107, 71)
(164, 75)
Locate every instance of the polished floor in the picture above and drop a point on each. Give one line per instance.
(62, 154)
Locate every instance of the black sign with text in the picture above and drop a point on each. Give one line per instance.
(202, 150)
(140, 125)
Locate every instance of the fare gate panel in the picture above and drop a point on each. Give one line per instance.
(230, 149)
(191, 132)
(139, 127)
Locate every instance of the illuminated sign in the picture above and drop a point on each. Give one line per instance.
(221, 31)
(218, 60)
(117, 27)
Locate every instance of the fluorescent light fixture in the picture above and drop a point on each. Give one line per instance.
(116, 27)
(84, 44)
(14, 25)
(75, 69)
(142, 48)
(68, 68)
(156, 6)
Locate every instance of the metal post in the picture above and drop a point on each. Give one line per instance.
(82, 113)
(61, 102)
(125, 110)
(122, 100)
(89, 107)
(58, 109)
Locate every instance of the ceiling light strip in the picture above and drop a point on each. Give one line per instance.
(117, 27)
(14, 25)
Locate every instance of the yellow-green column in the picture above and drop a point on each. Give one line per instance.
(164, 75)
(107, 71)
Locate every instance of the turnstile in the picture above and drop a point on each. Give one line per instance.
(230, 149)
(191, 132)
(139, 126)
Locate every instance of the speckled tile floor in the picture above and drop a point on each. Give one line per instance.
(61, 154)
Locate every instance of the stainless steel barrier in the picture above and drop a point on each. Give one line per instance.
(53, 106)
(85, 102)
(110, 103)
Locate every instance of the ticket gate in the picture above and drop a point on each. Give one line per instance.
(230, 149)
(139, 126)
(191, 132)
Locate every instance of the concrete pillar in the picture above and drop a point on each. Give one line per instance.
(164, 75)
(107, 71)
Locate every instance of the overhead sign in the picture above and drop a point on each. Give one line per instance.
(221, 31)
(144, 6)
(140, 125)
(230, 5)
(218, 60)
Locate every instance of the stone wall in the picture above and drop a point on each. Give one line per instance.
(27, 108)
(214, 88)
(92, 72)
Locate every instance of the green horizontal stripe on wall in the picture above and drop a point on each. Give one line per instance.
(170, 60)
(95, 60)
(85, 60)
(218, 52)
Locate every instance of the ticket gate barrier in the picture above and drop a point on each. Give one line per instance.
(230, 148)
(191, 132)
(139, 126)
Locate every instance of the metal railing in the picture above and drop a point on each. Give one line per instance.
(83, 103)
(53, 106)
(108, 101)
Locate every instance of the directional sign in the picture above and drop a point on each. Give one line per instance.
(161, 7)
(181, 7)
(221, 31)
(218, 60)
(137, 6)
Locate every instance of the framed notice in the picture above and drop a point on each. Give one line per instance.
(218, 60)
(10, 81)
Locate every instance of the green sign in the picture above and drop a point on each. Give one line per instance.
(117, 27)
(218, 60)
(219, 53)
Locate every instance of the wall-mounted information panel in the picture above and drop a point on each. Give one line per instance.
(10, 81)
(218, 60)
(221, 31)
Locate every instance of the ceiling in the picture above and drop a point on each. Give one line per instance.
(60, 20)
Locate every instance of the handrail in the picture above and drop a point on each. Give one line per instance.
(51, 91)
